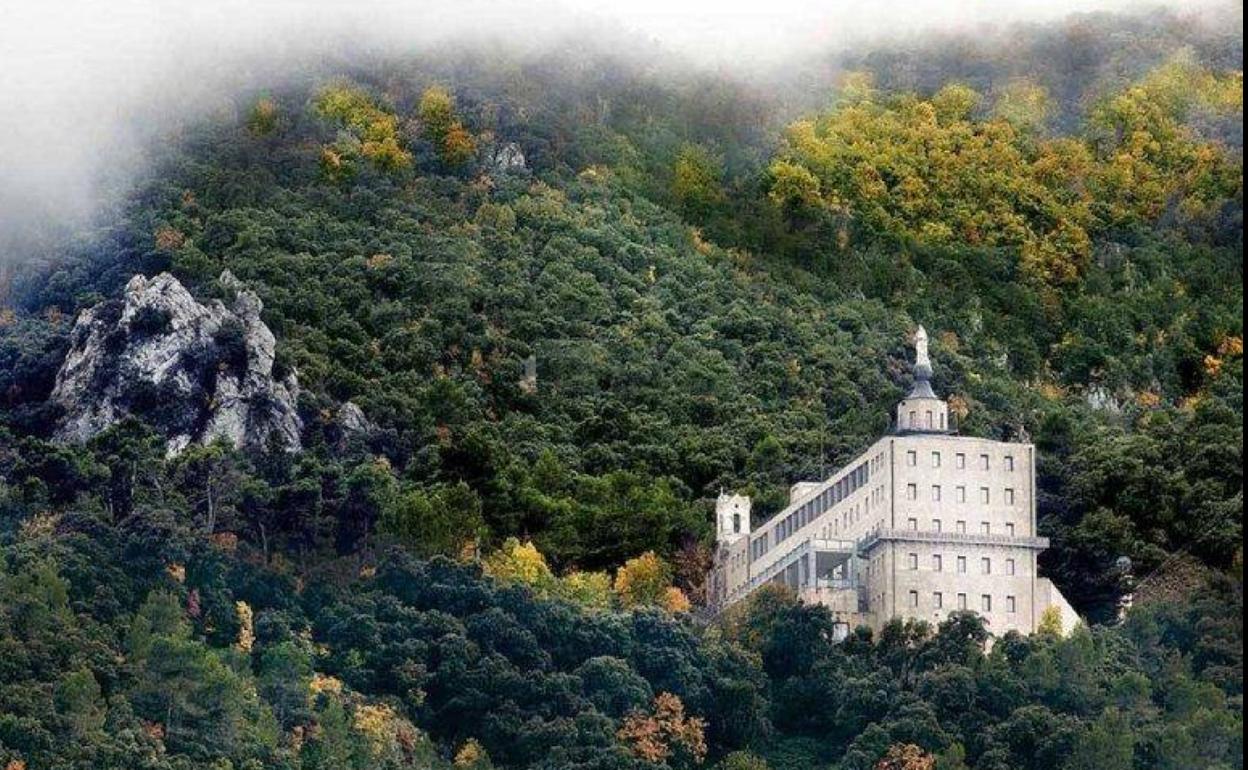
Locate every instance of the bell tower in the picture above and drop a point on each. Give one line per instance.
(922, 411)
(732, 517)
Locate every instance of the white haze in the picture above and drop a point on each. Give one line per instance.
(84, 84)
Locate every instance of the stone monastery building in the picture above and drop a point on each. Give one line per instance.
(923, 523)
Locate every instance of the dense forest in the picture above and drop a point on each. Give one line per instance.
(572, 297)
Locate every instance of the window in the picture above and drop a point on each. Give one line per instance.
(1009, 528)
(935, 525)
(937, 564)
(929, 418)
(938, 600)
(1009, 462)
(736, 522)
(1009, 496)
(961, 494)
(912, 458)
(985, 528)
(985, 566)
(961, 601)
(935, 459)
(983, 495)
(913, 561)
(1011, 606)
(983, 462)
(961, 526)
(985, 603)
(935, 493)
(961, 565)
(912, 491)
(914, 420)
(912, 524)
(960, 460)
(1009, 566)
(914, 598)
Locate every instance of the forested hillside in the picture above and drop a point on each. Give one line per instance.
(573, 297)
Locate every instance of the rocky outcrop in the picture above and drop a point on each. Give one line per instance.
(508, 158)
(351, 420)
(196, 372)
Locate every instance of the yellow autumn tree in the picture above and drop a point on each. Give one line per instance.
(674, 600)
(906, 756)
(442, 126)
(380, 724)
(915, 168)
(262, 118)
(472, 756)
(935, 172)
(517, 562)
(1151, 164)
(372, 132)
(1050, 622)
(436, 112)
(589, 590)
(646, 580)
(246, 626)
(793, 186)
(458, 146)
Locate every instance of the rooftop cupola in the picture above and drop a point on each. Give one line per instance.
(922, 411)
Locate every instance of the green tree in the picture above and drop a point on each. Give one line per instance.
(79, 703)
(697, 181)
(212, 479)
(1106, 744)
(131, 452)
(743, 760)
(442, 519)
(284, 680)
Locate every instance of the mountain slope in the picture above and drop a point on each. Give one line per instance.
(580, 352)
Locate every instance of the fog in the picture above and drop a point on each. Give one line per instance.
(86, 85)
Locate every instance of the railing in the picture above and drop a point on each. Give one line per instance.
(809, 546)
(873, 538)
(836, 584)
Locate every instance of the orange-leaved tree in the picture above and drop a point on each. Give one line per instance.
(665, 734)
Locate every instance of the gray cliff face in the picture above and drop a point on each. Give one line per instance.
(197, 372)
(508, 158)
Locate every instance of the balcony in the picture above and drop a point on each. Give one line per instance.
(828, 557)
(875, 537)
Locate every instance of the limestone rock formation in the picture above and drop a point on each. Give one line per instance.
(508, 158)
(351, 419)
(197, 372)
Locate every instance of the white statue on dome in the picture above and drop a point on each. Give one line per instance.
(922, 364)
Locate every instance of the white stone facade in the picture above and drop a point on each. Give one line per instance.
(921, 524)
